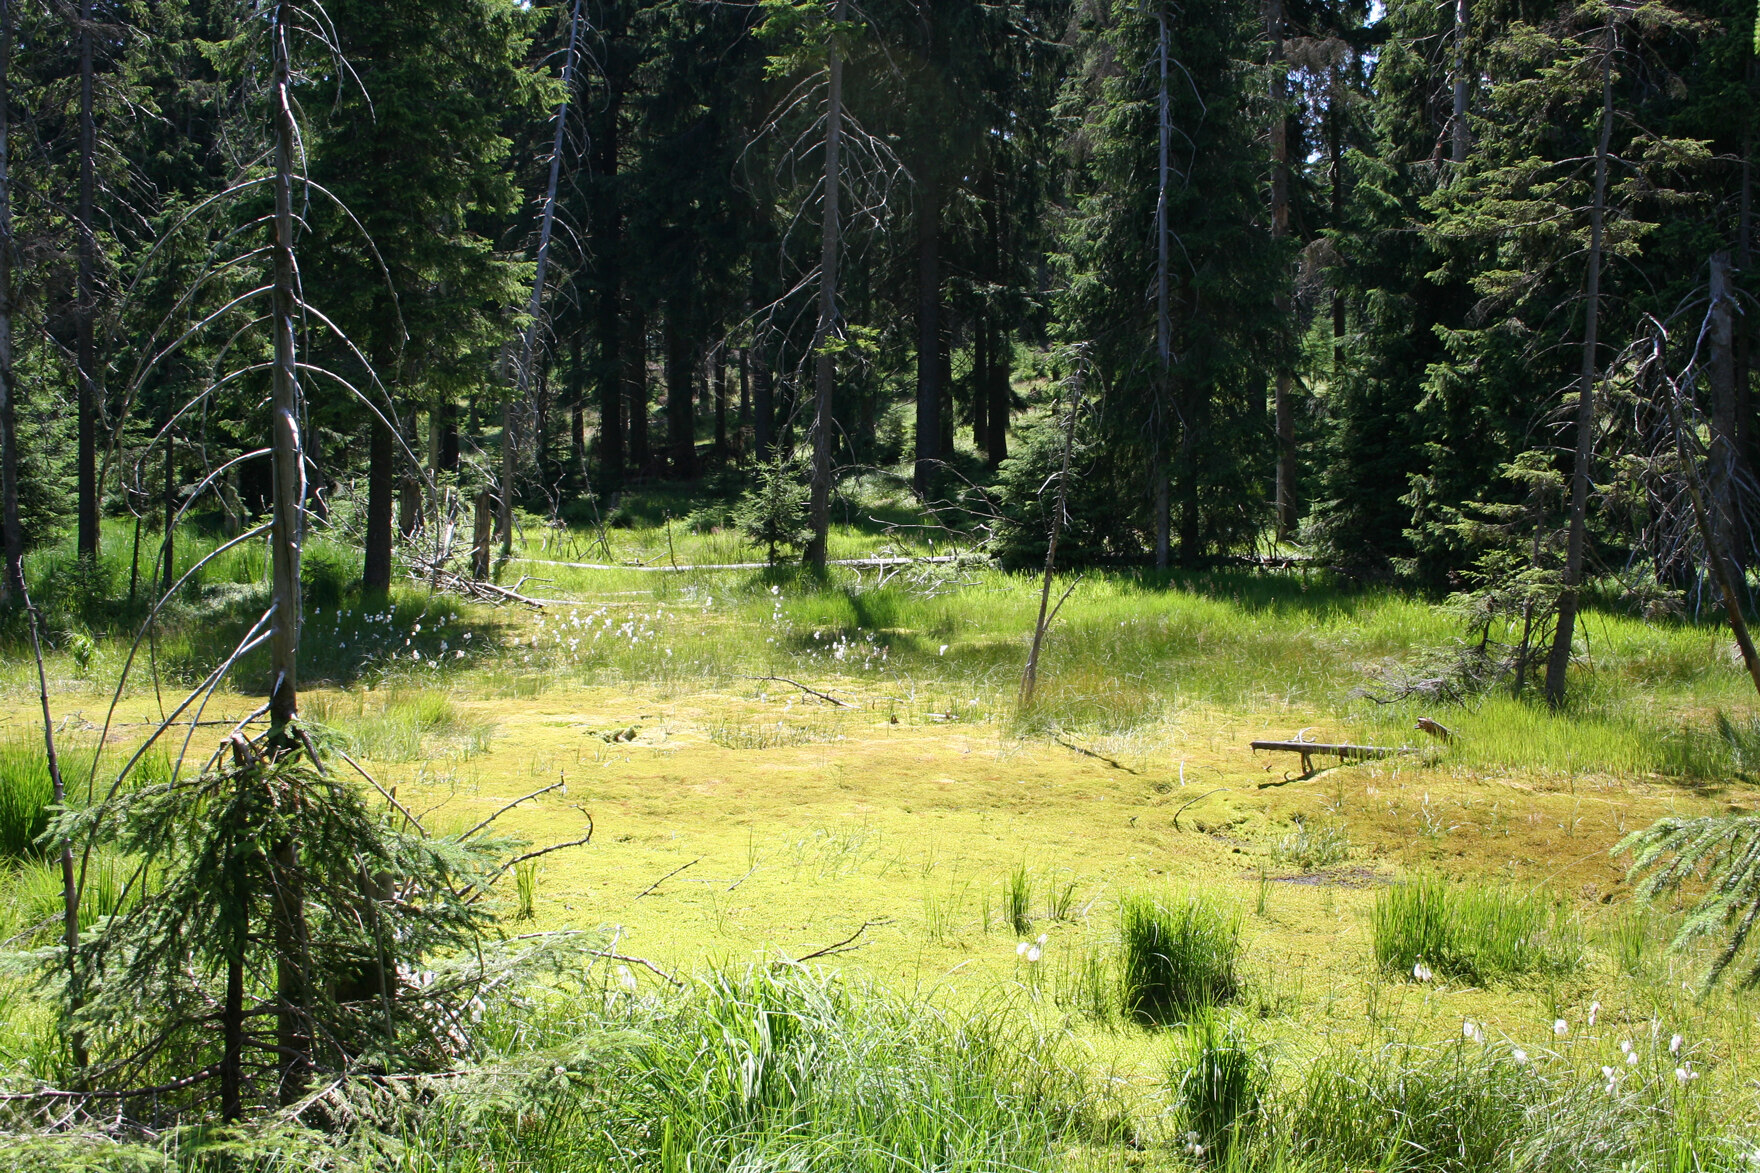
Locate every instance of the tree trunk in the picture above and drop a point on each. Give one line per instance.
(763, 408)
(744, 419)
(980, 381)
(929, 331)
(86, 296)
(824, 364)
(1001, 392)
(718, 378)
(1559, 659)
(11, 531)
(381, 489)
(635, 381)
(546, 225)
(1163, 321)
(448, 435)
(1335, 149)
(1283, 409)
(482, 535)
(170, 562)
(287, 527)
(681, 420)
(577, 408)
(1725, 465)
(1458, 120)
(232, 1035)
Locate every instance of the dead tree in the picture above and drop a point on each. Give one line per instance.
(1563, 633)
(824, 361)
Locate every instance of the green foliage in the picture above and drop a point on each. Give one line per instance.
(26, 792)
(1017, 900)
(1313, 848)
(1176, 957)
(1723, 853)
(1470, 933)
(1220, 1080)
(773, 512)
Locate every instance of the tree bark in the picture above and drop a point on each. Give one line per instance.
(763, 408)
(635, 382)
(170, 561)
(1283, 409)
(1001, 392)
(980, 381)
(1163, 322)
(1458, 119)
(824, 364)
(577, 407)
(928, 328)
(718, 379)
(1559, 658)
(610, 374)
(11, 531)
(287, 528)
(681, 420)
(546, 225)
(1725, 465)
(86, 296)
(381, 489)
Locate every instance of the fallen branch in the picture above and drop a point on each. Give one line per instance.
(845, 945)
(826, 697)
(388, 795)
(641, 961)
(1200, 798)
(131, 1093)
(511, 805)
(667, 876)
(1100, 757)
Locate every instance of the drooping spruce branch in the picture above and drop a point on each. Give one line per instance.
(1724, 852)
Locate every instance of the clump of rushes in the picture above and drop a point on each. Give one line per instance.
(1017, 900)
(1219, 1081)
(1176, 957)
(1432, 926)
(25, 794)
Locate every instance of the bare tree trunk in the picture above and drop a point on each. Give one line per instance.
(824, 364)
(1283, 408)
(1558, 661)
(1458, 120)
(1163, 322)
(1030, 674)
(1335, 148)
(546, 224)
(610, 326)
(381, 492)
(980, 380)
(577, 408)
(718, 374)
(1725, 452)
(483, 535)
(1001, 394)
(286, 537)
(1715, 553)
(928, 328)
(635, 381)
(169, 570)
(11, 531)
(763, 408)
(681, 416)
(86, 296)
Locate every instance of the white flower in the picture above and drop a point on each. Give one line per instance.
(1674, 1045)
(1632, 1059)
(1685, 1074)
(1043, 937)
(1625, 1046)
(467, 635)
(458, 654)
(1471, 1031)
(625, 978)
(1035, 953)
(1594, 1009)
(1607, 1073)
(1020, 949)
(561, 1070)
(1519, 1055)
(1422, 972)
(1560, 1027)
(943, 650)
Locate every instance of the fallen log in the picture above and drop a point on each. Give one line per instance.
(1344, 752)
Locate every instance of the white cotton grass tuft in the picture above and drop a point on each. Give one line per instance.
(1423, 972)
(1674, 1045)
(1594, 1009)
(1472, 1031)
(1560, 1027)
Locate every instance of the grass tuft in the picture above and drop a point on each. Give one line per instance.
(1471, 933)
(1219, 1082)
(1176, 958)
(26, 792)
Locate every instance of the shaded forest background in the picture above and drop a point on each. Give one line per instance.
(1331, 277)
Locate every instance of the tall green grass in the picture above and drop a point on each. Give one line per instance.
(1470, 932)
(26, 793)
(772, 1069)
(1176, 957)
(1219, 1081)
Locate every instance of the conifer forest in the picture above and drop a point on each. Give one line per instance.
(940, 586)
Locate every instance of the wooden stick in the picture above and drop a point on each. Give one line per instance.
(510, 806)
(847, 943)
(666, 877)
(827, 697)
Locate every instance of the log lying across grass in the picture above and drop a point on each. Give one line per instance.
(1342, 751)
